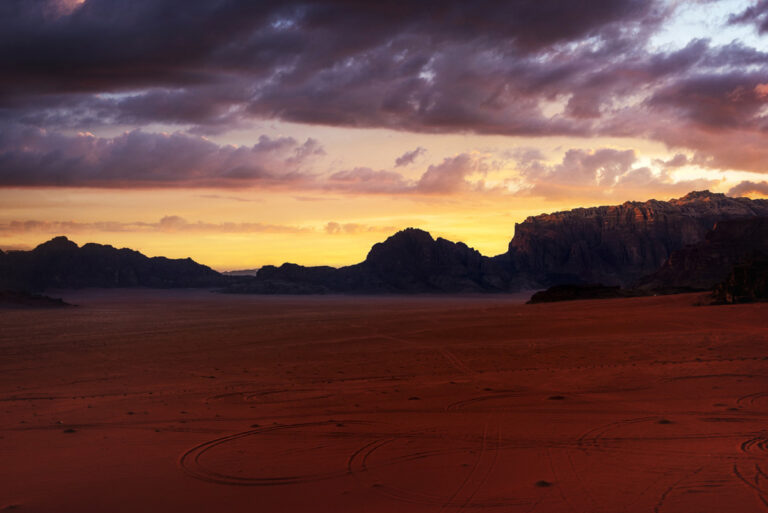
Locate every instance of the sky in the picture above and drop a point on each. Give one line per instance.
(244, 133)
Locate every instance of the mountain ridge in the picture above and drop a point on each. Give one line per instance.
(61, 263)
(613, 245)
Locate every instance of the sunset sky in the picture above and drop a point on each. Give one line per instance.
(244, 133)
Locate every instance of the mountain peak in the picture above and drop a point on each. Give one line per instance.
(411, 241)
(60, 243)
(411, 234)
(700, 196)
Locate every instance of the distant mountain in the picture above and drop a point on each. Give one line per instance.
(241, 272)
(617, 245)
(60, 263)
(609, 245)
(410, 261)
(703, 265)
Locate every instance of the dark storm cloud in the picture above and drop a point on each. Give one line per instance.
(106, 44)
(717, 101)
(528, 67)
(215, 63)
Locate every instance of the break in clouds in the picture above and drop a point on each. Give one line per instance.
(524, 68)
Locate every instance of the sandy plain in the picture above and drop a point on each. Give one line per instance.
(163, 401)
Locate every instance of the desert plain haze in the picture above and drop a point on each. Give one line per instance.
(247, 133)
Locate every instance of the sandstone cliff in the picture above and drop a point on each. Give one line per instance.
(616, 245)
(701, 266)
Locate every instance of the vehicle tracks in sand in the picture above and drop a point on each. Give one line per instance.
(753, 477)
(191, 461)
(367, 462)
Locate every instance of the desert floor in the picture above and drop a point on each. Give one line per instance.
(163, 401)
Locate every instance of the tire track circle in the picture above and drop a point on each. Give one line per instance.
(363, 464)
(191, 460)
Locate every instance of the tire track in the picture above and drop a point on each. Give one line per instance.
(190, 461)
(358, 464)
(671, 488)
(762, 493)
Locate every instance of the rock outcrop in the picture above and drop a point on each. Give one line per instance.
(410, 261)
(60, 263)
(747, 282)
(701, 266)
(617, 245)
(20, 299)
(578, 292)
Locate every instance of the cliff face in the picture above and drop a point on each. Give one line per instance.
(60, 263)
(703, 265)
(616, 245)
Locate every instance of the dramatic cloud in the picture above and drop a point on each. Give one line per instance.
(364, 179)
(176, 224)
(168, 224)
(424, 66)
(756, 14)
(747, 187)
(450, 176)
(586, 173)
(525, 68)
(34, 157)
(409, 157)
(334, 228)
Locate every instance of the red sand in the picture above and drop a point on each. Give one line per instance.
(152, 401)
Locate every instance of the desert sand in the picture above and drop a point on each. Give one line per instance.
(164, 401)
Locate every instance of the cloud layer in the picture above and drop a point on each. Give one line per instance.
(34, 157)
(529, 68)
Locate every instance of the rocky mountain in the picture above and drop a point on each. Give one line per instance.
(610, 245)
(617, 245)
(701, 266)
(410, 261)
(60, 263)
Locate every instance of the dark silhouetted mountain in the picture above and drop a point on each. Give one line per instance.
(617, 245)
(577, 292)
(612, 245)
(701, 266)
(747, 282)
(410, 261)
(60, 263)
